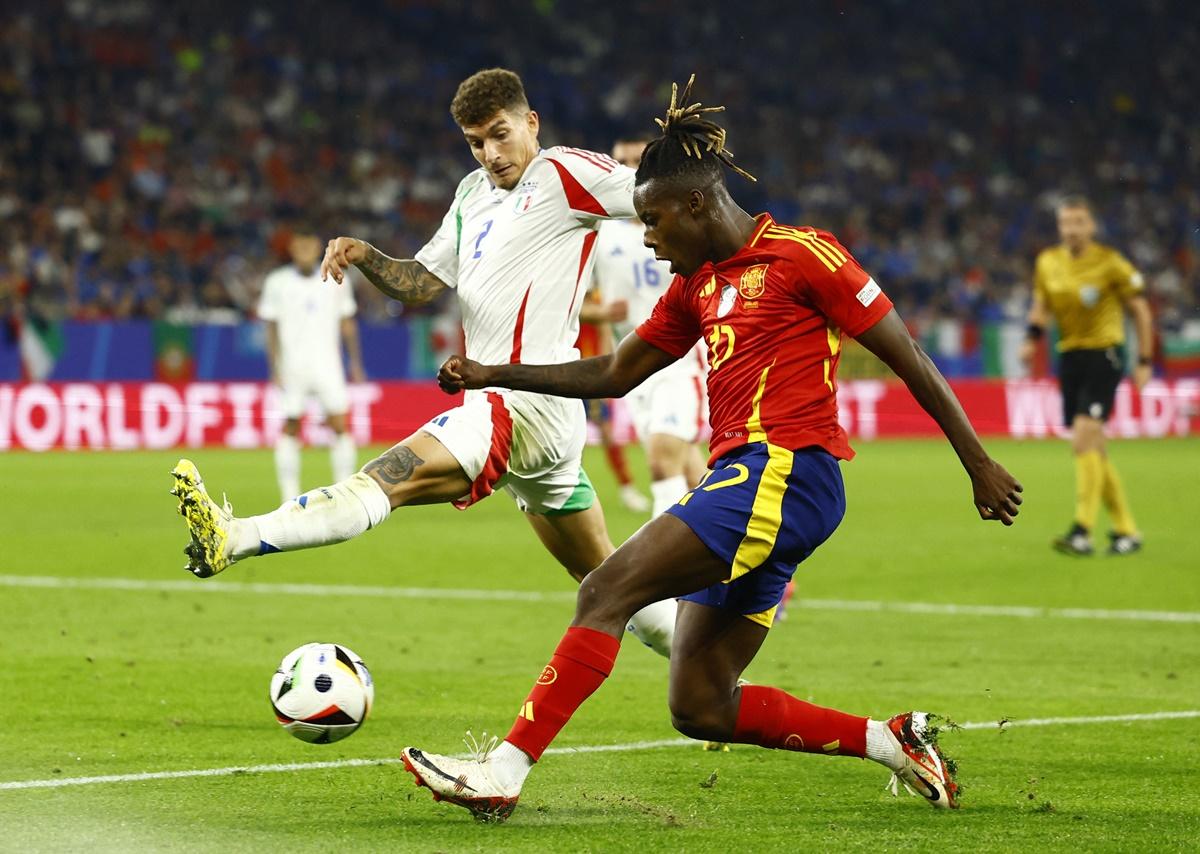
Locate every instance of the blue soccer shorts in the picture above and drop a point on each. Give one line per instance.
(762, 509)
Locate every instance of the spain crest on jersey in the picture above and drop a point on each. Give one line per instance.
(753, 282)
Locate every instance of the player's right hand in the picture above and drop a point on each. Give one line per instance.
(618, 310)
(997, 493)
(459, 373)
(340, 254)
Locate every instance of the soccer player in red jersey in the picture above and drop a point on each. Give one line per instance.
(773, 303)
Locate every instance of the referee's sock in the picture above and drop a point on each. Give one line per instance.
(1114, 500)
(1089, 483)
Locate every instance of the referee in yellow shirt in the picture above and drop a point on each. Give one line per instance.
(1088, 288)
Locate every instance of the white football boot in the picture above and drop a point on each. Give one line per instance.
(918, 765)
(468, 783)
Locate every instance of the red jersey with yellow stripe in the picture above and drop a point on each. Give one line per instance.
(773, 316)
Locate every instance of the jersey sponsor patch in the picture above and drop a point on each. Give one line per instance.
(753, 282)
(728, 295)
(868, 293)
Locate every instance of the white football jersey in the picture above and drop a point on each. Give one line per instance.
(627, 270)
(521, 259)
(308, 313)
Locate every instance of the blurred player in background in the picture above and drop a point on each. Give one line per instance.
(774, 301)
(307, 323)
(516, 245)
(669, 410)
(595, 339)
(1088, 288)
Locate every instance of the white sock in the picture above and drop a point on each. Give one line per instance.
(666, 492)
(287, 465)
(654, 626)
(881, 744)
(342, 456)
(510, 765)
(319, 517)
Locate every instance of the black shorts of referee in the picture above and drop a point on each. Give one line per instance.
(1089, 380)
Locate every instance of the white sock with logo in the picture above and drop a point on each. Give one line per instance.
(287, 465)
(509, 765)
(881, 744)
(342, 456)
(666, 492)
(654, 626)
(319, 517)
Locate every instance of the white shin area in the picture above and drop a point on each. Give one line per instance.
(319, 517)
(287, 465)
(343, 456)
(666, 492)
(654, 626)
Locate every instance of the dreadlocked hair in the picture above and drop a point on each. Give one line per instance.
(690, 143)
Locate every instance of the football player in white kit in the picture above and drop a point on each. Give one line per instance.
(307, 322)
(517, 247)
(669, 410)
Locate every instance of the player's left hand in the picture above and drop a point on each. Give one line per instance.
(459, 373)
(997, 493)
(1141, 376)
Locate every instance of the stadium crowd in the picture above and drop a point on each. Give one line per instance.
(153, 158)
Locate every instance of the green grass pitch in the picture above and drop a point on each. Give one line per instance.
(124, 681)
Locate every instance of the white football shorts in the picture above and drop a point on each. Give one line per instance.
(328, 386)
(674, 401)
(529, 444)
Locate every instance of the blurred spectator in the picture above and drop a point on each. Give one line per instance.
(153, 155)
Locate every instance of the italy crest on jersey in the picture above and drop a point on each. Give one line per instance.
(753, 282)
(523, 196)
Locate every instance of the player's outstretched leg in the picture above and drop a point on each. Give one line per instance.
(664, 559)
(713, 647)
(489, 786)
(417, 471)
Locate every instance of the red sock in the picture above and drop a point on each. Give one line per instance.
(773, 718)
(616, 459)
(580, 664)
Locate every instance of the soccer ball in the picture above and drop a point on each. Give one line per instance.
(321, 692)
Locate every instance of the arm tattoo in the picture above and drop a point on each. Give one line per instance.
(405, 280)
(393, 466)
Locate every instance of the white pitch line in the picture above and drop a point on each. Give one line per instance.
(276, 589)
(586, 748)
(458, 594)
